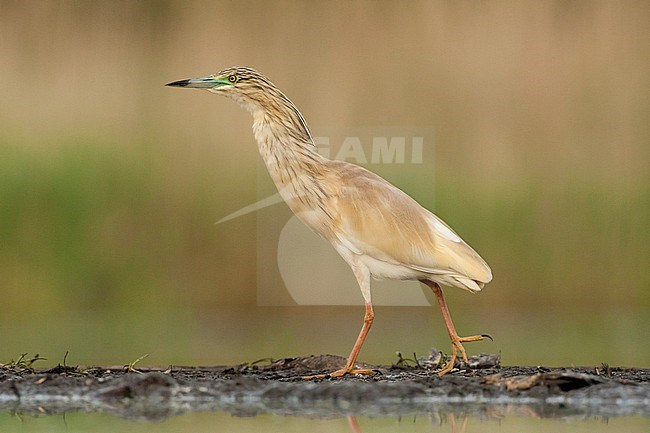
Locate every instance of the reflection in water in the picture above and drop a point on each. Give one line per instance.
(457, 426)
(354, 424)
(454, 427)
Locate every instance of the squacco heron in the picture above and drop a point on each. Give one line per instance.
(379, 230)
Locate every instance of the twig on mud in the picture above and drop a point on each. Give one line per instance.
(254, 363)
(604, 370)
(404, 362)
(70, 370)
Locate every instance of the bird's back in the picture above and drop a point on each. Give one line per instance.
(398, 238)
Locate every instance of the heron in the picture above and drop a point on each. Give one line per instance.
(378, 230)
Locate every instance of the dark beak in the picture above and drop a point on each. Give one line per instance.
(209, 82)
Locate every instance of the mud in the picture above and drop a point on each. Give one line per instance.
(487, 389)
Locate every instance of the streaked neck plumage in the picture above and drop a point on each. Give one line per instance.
(287, 148)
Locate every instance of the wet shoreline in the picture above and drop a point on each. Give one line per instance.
(155, 394)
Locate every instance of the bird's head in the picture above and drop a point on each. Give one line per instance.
(257, 94)
(245, 85)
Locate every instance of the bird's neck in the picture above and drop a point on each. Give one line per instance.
(288, 150)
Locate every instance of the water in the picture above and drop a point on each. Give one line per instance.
(491, 419)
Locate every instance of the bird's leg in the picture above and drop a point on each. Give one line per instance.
(362, 274)
(349, 365)
(456, 341)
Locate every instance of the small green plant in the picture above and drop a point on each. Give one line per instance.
(23, 363)
(130, 367)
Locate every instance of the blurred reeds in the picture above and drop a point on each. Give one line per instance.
(110, 184)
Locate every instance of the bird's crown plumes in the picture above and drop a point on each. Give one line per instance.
(243, 75)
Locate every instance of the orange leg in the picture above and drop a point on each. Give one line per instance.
(349, 365)
(456, 341)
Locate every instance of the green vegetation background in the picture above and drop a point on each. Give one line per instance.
(110, 183)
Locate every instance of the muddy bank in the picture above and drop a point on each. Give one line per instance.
(277, 387)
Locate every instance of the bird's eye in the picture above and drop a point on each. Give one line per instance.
(232, 78)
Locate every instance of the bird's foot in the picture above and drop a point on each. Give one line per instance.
(457, 346)
(342, 372)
